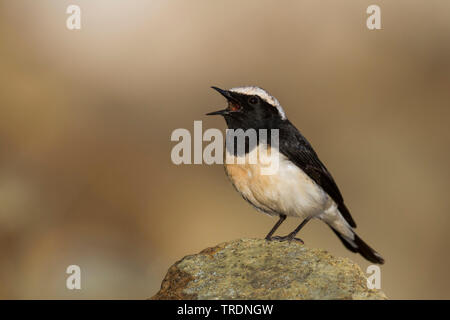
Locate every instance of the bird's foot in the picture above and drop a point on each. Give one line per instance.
(286, 238)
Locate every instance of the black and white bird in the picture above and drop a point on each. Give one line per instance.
(301, 187)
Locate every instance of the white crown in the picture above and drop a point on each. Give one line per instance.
(263, 94)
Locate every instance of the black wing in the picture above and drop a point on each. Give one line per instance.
(298, 150)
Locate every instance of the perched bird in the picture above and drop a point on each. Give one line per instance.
(301, 186)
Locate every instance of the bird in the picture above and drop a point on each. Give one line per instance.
(301, 187)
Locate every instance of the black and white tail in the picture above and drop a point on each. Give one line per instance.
(342, 227)
(358, 245)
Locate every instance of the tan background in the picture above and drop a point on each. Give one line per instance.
(86, 117)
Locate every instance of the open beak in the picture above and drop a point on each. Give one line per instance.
(228, 96)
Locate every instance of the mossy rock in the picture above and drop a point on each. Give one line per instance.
(260, 269)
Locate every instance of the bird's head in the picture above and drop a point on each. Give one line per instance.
(250, 108)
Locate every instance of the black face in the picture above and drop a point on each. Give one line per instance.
(248, 111)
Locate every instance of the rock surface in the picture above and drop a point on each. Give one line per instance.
(260, 269)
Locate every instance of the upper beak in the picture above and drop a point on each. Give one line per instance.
(228, 96)
(225, 93)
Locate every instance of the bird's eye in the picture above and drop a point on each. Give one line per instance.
(253, 100)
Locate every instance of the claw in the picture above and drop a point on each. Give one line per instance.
(285, 238)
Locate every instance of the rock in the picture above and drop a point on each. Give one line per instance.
(260, 269)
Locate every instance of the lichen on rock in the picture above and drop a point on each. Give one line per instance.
(260, 269)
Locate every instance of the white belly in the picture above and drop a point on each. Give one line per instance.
(287, 191)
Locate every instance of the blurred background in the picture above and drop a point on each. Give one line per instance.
(86, 116)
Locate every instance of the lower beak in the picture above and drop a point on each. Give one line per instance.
(220, 112)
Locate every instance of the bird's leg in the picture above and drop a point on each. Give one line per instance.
(275, 227)
(291, 236)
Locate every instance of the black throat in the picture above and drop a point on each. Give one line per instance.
(243, 136)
